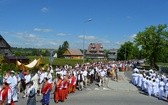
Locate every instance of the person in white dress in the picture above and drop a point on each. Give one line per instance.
(85, 77)
(154, 88)
(140, 77)
(13, 86)
(102, 77)
(135, 78)
(143, 86)
(157, 83)
(166, 89)
(27, 80)
(41, 78)
(149, 85)
(35, 79)
(161, 88)
(50, 77)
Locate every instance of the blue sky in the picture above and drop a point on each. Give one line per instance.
(48, 23)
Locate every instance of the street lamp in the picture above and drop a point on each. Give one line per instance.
(88, 20)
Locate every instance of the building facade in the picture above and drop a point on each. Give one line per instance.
(73, 54)
(95, 51)
(112, 54)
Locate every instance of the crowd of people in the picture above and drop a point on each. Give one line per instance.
(151, 82)
(60, 81)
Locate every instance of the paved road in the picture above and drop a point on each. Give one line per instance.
(106, 97)
(115, 95)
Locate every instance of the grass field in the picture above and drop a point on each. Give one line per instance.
(56, 61)
(163, 64)
(43, 61)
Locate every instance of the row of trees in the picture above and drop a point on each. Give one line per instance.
(40, 52)
(30, 52)
(151, 44)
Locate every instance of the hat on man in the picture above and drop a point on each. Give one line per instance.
(12, 72)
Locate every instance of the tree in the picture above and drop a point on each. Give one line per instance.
(62, 48)
(18, 53)
(59, 52)
(163, 55)
(35, 52)
(128, 51)
(153, 39)
(65, 45)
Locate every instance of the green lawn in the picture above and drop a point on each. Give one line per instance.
(57, 61)
(163, 64)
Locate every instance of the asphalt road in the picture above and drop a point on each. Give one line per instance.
(105, 97)
(93, 95)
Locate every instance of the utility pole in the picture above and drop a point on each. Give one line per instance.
(88, 20)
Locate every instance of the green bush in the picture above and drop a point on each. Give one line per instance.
(5, 67)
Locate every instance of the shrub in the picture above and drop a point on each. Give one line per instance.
(5, 67)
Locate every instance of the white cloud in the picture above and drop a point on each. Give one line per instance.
(4, 32)
(53, 43)
(133, 35)
(44, 9)
(87, 37)
(32, 36)
(38, 40)
(61, 34)
(106, 41)
(42, 29)
(20, 33)
(118, 43)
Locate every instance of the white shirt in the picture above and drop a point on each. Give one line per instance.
(13, 82)
(91, 72)
(27, 78)
(64, 72)
(161, 85)
(102, 73)
(43, 74)
(49, 76)
(85, 73)
(80, 78)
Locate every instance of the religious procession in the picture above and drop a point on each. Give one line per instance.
(151, 82)
(56, 82)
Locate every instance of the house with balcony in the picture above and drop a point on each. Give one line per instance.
(95, 51)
